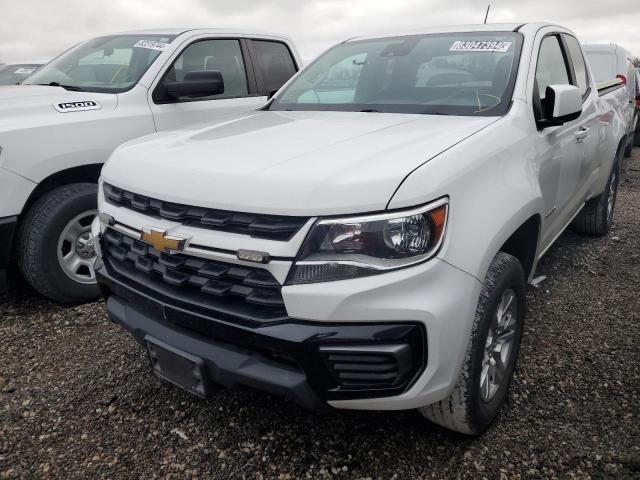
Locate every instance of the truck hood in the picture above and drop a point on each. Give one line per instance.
(29, 105)
(288, 163)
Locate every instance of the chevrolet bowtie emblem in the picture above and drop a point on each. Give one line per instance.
(162, 242)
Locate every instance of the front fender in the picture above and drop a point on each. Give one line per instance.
(492, 181)
(38, 146)
(14, 192)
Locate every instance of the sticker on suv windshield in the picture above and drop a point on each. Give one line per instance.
(77, 106)
(480, 46)
(151, 45)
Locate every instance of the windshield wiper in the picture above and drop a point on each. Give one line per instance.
(370, 110)
(71, 88)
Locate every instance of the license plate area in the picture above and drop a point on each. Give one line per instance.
(180, 368)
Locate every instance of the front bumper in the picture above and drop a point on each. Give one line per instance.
(429, 307)
(7, 232)
(296, 359)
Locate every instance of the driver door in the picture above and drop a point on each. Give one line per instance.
(240, 95)
(560, 149)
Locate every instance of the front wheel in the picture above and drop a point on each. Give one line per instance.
(55, 245)
(491, 353)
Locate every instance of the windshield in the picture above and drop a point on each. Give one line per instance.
(12, 74)
(110, 64)
(447, 74)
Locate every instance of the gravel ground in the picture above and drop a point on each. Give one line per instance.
(77, 399)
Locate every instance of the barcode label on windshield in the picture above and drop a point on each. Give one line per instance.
(479, 46)
(152, 45)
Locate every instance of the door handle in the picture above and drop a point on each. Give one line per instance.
(582, 134)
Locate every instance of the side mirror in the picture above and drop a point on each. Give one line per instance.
(562, 104)
(197, 84)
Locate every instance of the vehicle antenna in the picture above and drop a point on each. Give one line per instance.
(487, 14)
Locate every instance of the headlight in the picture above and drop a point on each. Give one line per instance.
(342, 248)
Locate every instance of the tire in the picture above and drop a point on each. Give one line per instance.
(636, 136)
(596, 217)
(628, 150)
(42, 250)
(471, 407)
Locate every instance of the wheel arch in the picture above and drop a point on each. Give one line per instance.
(523, 244)
(519, 236)
(81, 174)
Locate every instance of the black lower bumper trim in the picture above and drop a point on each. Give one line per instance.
(290, 358)
(7, 231)
(226, 364)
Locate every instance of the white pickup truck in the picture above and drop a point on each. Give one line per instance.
(615, 77)
(365, 240)
(63, 122)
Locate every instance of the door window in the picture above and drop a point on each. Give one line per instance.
(552, 68)
(209, 55)
(579, 66)
(274, 63)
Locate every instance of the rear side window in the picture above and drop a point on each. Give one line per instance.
(578, 64)
(274, 63)
(551, 68)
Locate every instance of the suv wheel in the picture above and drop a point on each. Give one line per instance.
(491, 354)
(55, 245)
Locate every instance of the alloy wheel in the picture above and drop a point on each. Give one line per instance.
(499, 346)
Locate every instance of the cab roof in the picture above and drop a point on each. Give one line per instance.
(195, 31)
(481, 27)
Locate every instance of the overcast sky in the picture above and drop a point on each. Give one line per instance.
(40, 29)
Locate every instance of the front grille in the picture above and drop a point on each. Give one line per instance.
(368, 366)
(271, 227)
(229, 291)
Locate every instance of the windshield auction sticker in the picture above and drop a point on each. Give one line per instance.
(151, 45)
(77, 106)
(480, 46)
